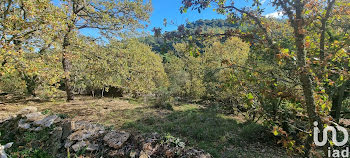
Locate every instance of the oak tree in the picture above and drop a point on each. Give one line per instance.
(109, 17)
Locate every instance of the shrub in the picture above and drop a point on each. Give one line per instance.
(185, 73)
(164, 100)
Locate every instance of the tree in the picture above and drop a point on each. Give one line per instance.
(301, 14)
(109, 17)
(128, 65)
(28, 29)
(184, 67)
(140, 69)
(222, 80)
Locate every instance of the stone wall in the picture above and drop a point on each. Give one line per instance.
(65, 138)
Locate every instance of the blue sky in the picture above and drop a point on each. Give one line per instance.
(170, 9)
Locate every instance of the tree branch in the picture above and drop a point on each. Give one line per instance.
(323, 28)
(257, 20)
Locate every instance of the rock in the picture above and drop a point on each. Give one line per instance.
(38, 129)
(68, 144)
(27, 110)
(2, 149)
(78, 146)
(81, 135)
(85, 135)
(67, 127)
(56, 134)
(82, 130)
(116, 139)
(197, 153)
(117, 153)
(204, 156)
(92, 147)
(133, 154)
(12, 117)
(87, 126)
(143, 155)
(47, 121)
(55, 140)
(23, 125)
(148, 149)
(34, 116)
(82, 144)
(169, 153)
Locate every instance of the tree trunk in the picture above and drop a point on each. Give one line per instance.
(31, 85)
(337, 101)
(304, 76)
(103, 90)
(67, 66)
(303, 68)
(322, 38)
(340, 102)
(323, 29)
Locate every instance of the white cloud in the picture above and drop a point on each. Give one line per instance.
(277, 14)
(263, 1)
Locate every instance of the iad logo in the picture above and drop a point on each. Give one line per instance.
(335, 152)
(334, 135)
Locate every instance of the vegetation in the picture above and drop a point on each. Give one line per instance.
(304, 56)
(195, 125)
(278, 75)
(129, 65)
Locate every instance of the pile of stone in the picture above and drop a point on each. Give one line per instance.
(66, 137)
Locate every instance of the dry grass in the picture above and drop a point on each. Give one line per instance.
(108, 111)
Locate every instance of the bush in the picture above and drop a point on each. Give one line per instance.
(223, 76)
(164, 100)
(12, 83)
(185, 73)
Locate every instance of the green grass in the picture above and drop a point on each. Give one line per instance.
(29, 145)
(206, 129)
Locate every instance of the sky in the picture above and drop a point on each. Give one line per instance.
(170, 10)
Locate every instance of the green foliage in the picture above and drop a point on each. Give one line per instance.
(163, 99)
(265, 73)
(12, 83)
(166, 44)
(174, 141)
(185, 72)
(26, 32)
(223, 61)
(35, 33)
(129, 64)
(213, 72)
(33, 153)
(37, 73)
(30, 144)
(208, 25)
(310, 60)
(141, 69)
